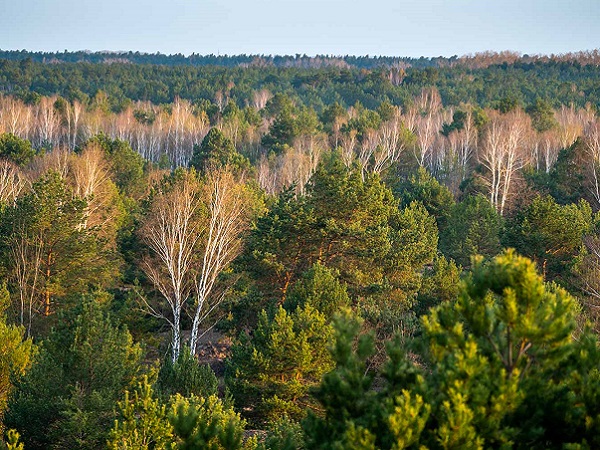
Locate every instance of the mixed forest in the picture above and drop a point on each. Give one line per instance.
(292, 252)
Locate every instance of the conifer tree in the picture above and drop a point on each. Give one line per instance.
(271, 373)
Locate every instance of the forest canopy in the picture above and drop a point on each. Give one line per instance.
(293, 252)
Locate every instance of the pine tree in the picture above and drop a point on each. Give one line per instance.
(272, 372)
(16, 354)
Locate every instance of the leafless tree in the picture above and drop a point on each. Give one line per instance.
(266, 176)
(26, 252)
(592, 147)
(503, 153)
(15, 117)
(426, 119)
(393, 138)
(588, 278)
(90, 176)
(47, 123)
(11, 182)
(74, 117)
(548, 147)
(221, 242)
(348, 145)
(172, 230)
(570, 125)
(459, 146)
(58, 160)
(260, 98)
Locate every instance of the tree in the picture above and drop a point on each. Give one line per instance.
(503, 153)
(15, 149)
(193, 229)
(16, 354)
(279, 247)
(180, 423)
(217, 151)
(12, 182)
(142, 422)
(440, 284)
(500, 369)
(127, 166)
(499, 353)
(282, 132)
(473, 228)
(186, 377)
(271, 373)
(50, 250)
(592, 162)
(67, 399)
(424, 188)
(542, 116)
(228, 210)
(352, 221)
(345, 393)
(346, 223)
(320, 288)
(551, 234)
(171, 230)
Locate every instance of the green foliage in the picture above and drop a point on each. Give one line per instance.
(68, 396)
(282, 133)
(16, 355)
(297, 79)
(347, 224)
(12, 441)
(507, 104)
(501, 370)
(284, 434)
(457, 124)
(142, 422)
(181, 423)
(48, 224)
(16, 149)
(271, 373)
(127, 165)
(319, 288)
(551, 234)
(542, 115)
(278, 247)
(206, 423)
(332, 114)
(186, 377)
(360, 231)
(566, 181)
(345, 393)
(505, 328)
(473, 229)
(216, 150)
(423, 187)
(440, 284)
(35, 405)
(413, 242)
(497, 368)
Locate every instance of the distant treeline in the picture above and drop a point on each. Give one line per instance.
(557, 80)
(178, 59)
(482, 59)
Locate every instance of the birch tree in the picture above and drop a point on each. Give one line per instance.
(11, 182)
(227, 216)
(592, 148)
(193, 231)
(503, 153)
(171, 230)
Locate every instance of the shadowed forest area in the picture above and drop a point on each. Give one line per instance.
(293, 252)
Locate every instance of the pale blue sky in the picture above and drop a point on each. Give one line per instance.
(375, 27)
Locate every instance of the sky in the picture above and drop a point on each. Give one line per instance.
(334, 27)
